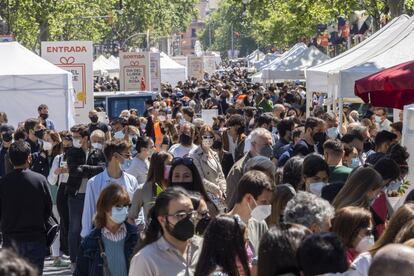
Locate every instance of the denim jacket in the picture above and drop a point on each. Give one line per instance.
(89, 261)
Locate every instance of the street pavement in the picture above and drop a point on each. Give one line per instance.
(49, 270)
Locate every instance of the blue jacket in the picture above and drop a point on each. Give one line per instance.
(89, 261)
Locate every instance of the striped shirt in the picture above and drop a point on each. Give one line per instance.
(118, 236)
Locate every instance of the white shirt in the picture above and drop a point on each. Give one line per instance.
(232, 145)
(52, 177)
(94, 188)
(362, 263)
(179, 150)
(386, 125)
(139, 169)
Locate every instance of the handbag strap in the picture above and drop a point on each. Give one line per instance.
(104, 258)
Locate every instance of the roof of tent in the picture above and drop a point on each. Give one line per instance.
(168, 63)
(103, 64)
(17, 60)
(266, 60)
(114, 60)
(296, 49)
(317, 76)
(293, 67)
(255, 55)
(396, 49)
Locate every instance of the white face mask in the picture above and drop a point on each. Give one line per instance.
(119, 135)
(161, 118)
(332, 132)
(47, 145)
(365, 244)
(377, 119)
(260, 212)
(77, 143)
(97, 146)
(316, 188)
(207, 142)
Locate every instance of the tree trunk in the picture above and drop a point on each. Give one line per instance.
(396, 7)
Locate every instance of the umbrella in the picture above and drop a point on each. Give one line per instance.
(392, 87)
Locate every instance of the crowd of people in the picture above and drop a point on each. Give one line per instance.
(263, 191)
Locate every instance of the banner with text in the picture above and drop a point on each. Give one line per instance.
(135, 71)
(75, 57)
(196, 67)
(155, 72)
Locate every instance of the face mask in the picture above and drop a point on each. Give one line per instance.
(274, 130)
(44, 116)
(47, 146)
(77, 143)
(217, 145)
(119, 135)
(240, 130)
(133, 139)
(378, 119)
(39, 133)
(161, 118)
(94, 119)
(98, 146)
(267, 151)
(260, 212)
(365, 244)
(167, 170)
(185, 140)
(119, 215)
(355, 163)
(125, 164)
(250, 98)
(332, 132)
(143, 126)
(207, 142)
(319, 137)
(316, 188)
(182, 122)
(186, 185)
(282, 115)
(202, 225)
(182, 230)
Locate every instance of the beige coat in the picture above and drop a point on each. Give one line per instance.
(210, 170)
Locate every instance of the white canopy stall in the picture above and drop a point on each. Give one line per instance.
(103, 66)
(171, 71)
(27, 81)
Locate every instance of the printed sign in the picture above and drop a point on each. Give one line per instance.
(75, 57)
(135, 71)
(155, 72)
(209, 64)
(208, 114)
(195, 67)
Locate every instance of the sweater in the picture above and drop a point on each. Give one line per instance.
(116, 257)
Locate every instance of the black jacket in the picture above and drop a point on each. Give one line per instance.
(25, 205)
(226, 162)
(80, 168)
(40, 163)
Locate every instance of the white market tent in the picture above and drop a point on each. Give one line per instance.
(395, 49)
(27, 81)
(317, 76)
(171, 71)
(293, 67)
(102, 65)
(266, 60)
(256, 55)
(114, 60)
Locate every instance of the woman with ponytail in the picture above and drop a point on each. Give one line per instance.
(169, 246)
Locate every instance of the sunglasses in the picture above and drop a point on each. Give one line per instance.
(207, 137)
(188, 161)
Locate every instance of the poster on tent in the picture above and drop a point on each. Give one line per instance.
(75, 57)
(135, 71)
(155, 72)
(209, 64)
(195, 67)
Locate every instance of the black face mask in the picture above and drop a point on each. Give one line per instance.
(240, 130)
(282, 115)
(217, 145)
(94, 119)
(39, 133)
(44, 116)
(319, 137)
(202, 225)
(182, 230)
(186, 185)
(185, 140)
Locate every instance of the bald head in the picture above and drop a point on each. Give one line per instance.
(392, 258)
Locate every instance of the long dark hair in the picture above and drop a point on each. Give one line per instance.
(156, 168)
(223, 245)
(277, 249)
(198, 185)
(154, 229)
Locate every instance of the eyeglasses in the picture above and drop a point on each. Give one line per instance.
(188, 161)
(182, 215)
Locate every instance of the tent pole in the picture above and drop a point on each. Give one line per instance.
(341, 117)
